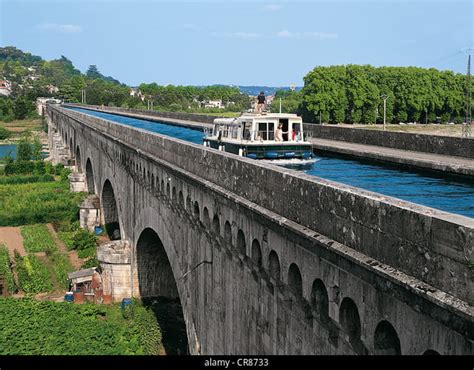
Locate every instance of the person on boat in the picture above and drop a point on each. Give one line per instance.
(260, 102)
(279, 133)
(293, 135)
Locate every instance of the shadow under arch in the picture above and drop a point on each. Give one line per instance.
(110, 211)
(78, 159)
(90, 177)
(159, 293)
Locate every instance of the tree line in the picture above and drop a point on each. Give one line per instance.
(355, 94)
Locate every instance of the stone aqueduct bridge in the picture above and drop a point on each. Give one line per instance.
(266, 260)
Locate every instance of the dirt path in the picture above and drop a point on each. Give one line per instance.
(76, 262)
(11, 237)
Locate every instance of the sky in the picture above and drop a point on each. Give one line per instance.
(241, 43)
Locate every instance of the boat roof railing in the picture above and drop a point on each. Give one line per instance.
(235, 120)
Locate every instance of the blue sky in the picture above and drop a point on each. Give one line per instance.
(246, 43)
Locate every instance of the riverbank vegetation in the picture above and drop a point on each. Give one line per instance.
(30, 327)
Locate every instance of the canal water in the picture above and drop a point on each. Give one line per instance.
(6, 150)
(450, 194)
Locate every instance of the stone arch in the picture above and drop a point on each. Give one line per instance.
(295, 281)
(431, 352)
(241, 245)
(174, 193)
(90, 177)
(181, 199)
(71, 147)
(196, 211)
(205, 218)
(256, 253)
(157, 286)
(227, 233)
(155, 275)
(216, 225)
(189, 203)
(78, 159)
(168, 192)
(320, 299)
(274, 265)
(110, 211)
(349, 319)
(386, 341)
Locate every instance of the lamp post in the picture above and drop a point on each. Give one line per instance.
(384, 97)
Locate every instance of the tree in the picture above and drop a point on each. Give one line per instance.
(20, 108)
(93, 73)
(4, 133)
(36, 149)
(24, 148)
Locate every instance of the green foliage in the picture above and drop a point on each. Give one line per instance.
(33, 275)
(353, 93)
(5, 268)
(83, 239)
(61, 267)
(52, 328)
(36, 238)
(4, 133)
(22, 107)
(92, 262)
(86, 252)
(40, 202)
(22, 179)
(24, 148)
(36, 148)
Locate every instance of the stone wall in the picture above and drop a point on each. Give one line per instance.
(253, 281)
(443, 145)
(433, 246)
(153, 113)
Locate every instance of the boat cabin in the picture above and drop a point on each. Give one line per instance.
(272, 135)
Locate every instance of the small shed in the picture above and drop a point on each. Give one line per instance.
(86, 281)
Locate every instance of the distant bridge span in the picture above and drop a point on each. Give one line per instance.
(265, 260)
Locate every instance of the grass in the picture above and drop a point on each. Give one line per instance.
(18, 126)
(41, 202)
(29, 327)
(33, 275)
(36, 238)
(61, 267)
(5, 269)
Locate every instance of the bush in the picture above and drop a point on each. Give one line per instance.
(92, 262)
(5, 269)
(60, 328)
(83, 239)
(23, 204)
(36, 238)
(86, 253)
(4, 133)
(25, 179)
(33, 276)
(61, 267)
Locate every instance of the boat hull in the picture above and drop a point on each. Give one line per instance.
(264, 151)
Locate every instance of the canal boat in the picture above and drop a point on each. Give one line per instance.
(268, 136)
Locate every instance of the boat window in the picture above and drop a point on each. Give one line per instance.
(245, 131)
(235, 131)
(266, 131)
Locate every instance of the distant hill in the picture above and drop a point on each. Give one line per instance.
(268, 90)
